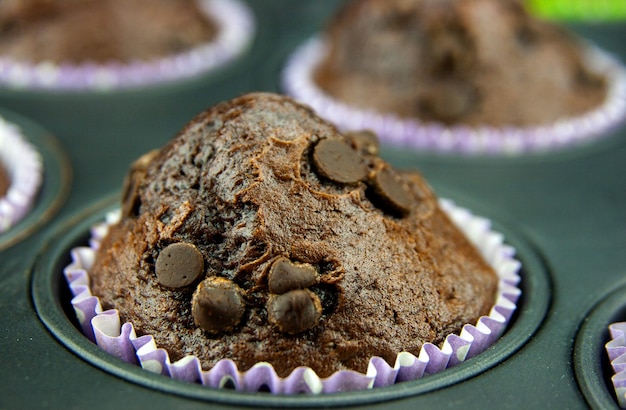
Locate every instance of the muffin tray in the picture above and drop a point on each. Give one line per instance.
(563, 211)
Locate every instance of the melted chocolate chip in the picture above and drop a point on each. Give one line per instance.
(525, 36)
(285, 276)
(389, 192)
(179, 265)
(130, 191)
(364, 141)
(449, 100)
(294, 311)
(142, 163)
(217, 305)
(454, 50)
(338, 161)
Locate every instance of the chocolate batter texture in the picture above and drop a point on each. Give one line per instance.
(79, 31)
(305, 261)
(474, 62)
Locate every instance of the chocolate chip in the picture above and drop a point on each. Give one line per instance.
(130, 191)
(449, 101)
(142, 163)
(5, 181)
(364, 141)
(217, 305)
(389, 192)
(454, 51)
(130, 197)
(179, 265)
(285, 276)
(525, 36)
(338, 161)
(294, 311)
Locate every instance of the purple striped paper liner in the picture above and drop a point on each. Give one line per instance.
(236, 27)
(105, 329)
(23, 165)
(298, 82)
(616, 350)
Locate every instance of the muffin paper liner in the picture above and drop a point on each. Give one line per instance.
(23, 165)
(106, 330)
(616, 350)
(236, 27)
(297, 81)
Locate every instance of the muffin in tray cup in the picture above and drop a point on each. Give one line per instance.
(21, 173)
(442, 79)
(262, 249)
(108, 45)
(105, 328)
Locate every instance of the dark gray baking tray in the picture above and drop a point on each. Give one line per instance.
(564, 211)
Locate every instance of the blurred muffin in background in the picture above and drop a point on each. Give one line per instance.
(86, 44)
(21, 175)
(462, 76)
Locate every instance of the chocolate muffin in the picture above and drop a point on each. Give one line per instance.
(99, 31)
(261, 233)
(104, 45)
(471, 62)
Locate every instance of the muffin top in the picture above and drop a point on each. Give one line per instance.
(261, 233)
(474, 62)
(100, 31)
